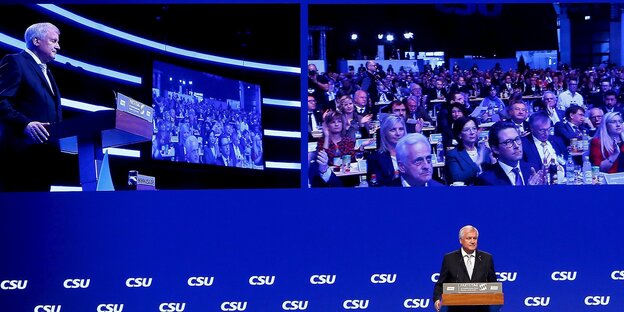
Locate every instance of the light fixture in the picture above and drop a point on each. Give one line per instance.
(354, 36)
(408, 35)
(380, 36)
(390, 37)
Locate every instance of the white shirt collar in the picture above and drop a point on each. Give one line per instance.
(508, 172)
(464, 253)
(406, 184)
(34, 56)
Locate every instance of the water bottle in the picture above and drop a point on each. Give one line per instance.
(569, 171)
(358, 135)
(363, 182)
(585, 140)
(440, 152)
(587, 171)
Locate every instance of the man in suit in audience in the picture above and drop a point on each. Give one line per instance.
(518, 113)
(315, 117)
(609, 103)
(540, 147)
(595, 118)
(29, 103)
(319, 173)
(413, 153)
(573, 125)
(465, 265)
(506, 144)
(360, 100)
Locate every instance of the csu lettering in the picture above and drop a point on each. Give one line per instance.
(617, 275)
(104, 307)
(597, 300)
(261, 280)
(234, 306)
(322, 279)
(200, 281)
(435, 277)
(563, 276)
(536, 301)
(139, 282)
(76, 283)
(172, 307)
(355, 304)
(13, 284)
(506, 276)
(383, 278)
(289, 305)
(48, 308)
(416, 303)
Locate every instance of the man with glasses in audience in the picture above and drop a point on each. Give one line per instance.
(413, 153)
(549, 100)
(570, 96)
(506, 144)
(595, 118)
(573, 126)
(540, 148)
(597, 98)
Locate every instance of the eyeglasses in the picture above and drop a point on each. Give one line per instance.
(543, 130)
(616, 122)
(419, 161)
(518, 109)
(509, 143)
(471, 129)
(596, 117)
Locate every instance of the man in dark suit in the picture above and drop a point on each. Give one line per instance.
(506, 144)
(466, 265)
(573, 126)
(518, 113)
(609, 103)
(413, 153)
(319, 173)
(29, 103)
(540, 147)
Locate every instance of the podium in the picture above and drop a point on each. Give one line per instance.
(86, 136)
(472, 297)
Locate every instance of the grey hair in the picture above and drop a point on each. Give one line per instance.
(405, 142)
(38, 30)
(467, 228)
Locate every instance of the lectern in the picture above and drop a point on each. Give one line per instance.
(472, 296)
(129, 123)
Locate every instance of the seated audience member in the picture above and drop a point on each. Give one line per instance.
(417, 109)
(319, 173)
(211, 149)
(315, 117)
(491, 108)
(506, 144)
(573, 125)
(609, 103)
(447, 114)
(383, 162)
(540, 148)
(413, 153)
(399, 108)
(192, 149)
(518, 113)
(570, 97)
(353, 121)
(226, 158)
(464, 163)
(606, 148)
(549, 101)
(595, 118)
(334, 140)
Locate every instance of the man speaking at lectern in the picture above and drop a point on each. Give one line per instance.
(29, 103)
(466, 265)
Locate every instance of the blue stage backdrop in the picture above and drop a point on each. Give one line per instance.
(555, 249)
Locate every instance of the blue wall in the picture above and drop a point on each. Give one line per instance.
(286, 236)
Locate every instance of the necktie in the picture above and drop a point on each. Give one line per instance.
(44, 69)
(469, 265)
(546, 153)
(519, 182)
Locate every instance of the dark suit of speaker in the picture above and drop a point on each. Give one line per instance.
(25, 96)
(454, 271)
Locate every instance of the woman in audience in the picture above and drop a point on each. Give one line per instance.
(605, 149)
(211, 149)
(465, 162)
(383, 162)
(335, 140)
(353, 121)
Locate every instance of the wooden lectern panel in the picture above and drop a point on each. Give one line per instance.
(472, 299)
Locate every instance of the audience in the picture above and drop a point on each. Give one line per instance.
(606, 147)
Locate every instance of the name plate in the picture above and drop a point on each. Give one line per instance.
(472, 288)
(134, 107)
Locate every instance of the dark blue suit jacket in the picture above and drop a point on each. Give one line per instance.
(494, 175)
(381, 165)
(531, 155)
(565, 132)
(459, 166)
(454, 270)
(24, 97)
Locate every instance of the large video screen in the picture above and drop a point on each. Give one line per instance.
(203, 118)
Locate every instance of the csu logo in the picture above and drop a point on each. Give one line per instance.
(383, 278)
(109, 307)
(322, 279)
(138, 282)
(261, 280)
(76, 283)
(506, 276)
(200, 281)
(435, 277)
(597, 300)
(13, 284)
(289, 305)
(355, 304)
(234, 306)
(48, 308)
(416, 303)
(615, 275)
(537, 301)
(563, 276)
(171, 307)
